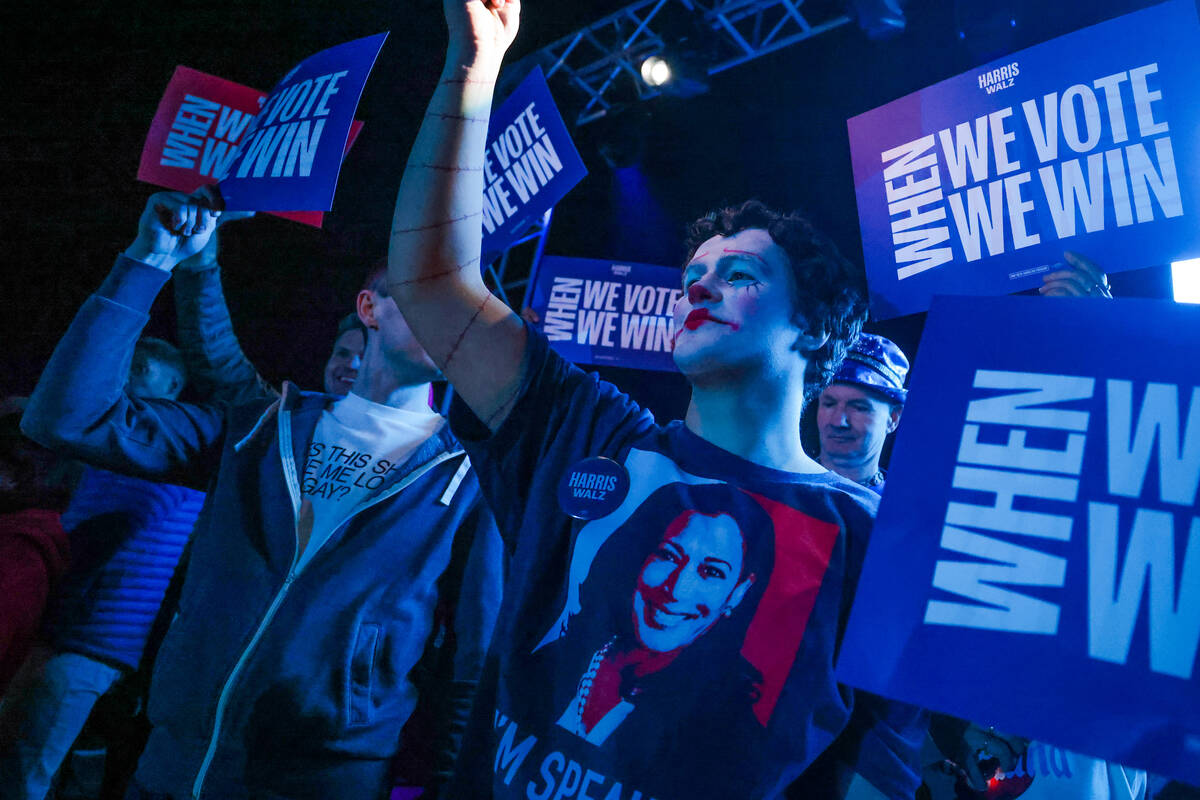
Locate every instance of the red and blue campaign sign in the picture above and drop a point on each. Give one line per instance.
(196, 130)
(290, 157)
(1087, 142)
(530, 164)
(604, 312)
(1036, 560)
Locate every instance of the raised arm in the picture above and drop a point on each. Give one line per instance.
(80, 405)
(434, 260)
(216, 365)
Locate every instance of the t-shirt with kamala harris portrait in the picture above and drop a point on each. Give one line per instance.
(673, 611)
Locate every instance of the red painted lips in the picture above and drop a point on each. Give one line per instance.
(699, 316)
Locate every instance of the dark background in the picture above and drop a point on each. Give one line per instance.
(82, 84)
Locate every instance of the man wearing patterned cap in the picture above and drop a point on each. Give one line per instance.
(860, 407)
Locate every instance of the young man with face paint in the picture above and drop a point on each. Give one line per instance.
(768, 311)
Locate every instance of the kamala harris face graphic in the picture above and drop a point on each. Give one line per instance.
(689, 581)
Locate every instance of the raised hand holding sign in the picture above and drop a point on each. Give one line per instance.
(1078, 278)
(196, 131)
(173, 227)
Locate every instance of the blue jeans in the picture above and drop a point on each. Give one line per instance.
(46, 710)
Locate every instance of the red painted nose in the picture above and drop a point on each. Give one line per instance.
(699, 291)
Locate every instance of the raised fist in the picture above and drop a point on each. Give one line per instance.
(172, 227)
(206, 257)
(482, 30)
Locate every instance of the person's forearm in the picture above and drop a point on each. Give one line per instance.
(434, 259)
(436, 230)
(80, 407)
(85, 377)
(216, 365)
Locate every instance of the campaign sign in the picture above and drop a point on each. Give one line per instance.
(195, 132)
(292, 153)
(530, 164)
(1087, 142)
(602, 312)
(199, 122)
(1036, 560)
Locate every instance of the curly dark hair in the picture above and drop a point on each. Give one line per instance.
(828, 295)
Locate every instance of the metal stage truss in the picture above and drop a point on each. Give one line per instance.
(509, 273)
(602, 61)
(600, 64)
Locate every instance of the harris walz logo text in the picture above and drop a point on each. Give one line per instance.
(999, 78)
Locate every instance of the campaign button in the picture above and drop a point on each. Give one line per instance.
(593, 488)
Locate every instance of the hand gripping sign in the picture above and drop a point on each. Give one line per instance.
(977, 184)
(200, 121)
(1036, 560)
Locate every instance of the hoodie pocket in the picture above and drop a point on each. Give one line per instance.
(361, 674)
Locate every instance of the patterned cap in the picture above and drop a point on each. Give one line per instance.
(877, 364)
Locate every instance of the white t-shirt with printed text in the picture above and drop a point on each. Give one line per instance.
(355, 449)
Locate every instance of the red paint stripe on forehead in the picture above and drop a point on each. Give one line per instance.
(755, 256)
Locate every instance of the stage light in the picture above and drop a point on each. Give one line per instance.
(1185, 280)
(656, 71)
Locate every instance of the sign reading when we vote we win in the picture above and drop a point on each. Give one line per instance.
(529, 165)
(601, 312)
(289, 146)
(290, 157)
(1035, 564)
(977, 184)
(196, 132)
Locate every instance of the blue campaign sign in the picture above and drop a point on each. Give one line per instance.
(290, 158)
(530, 164)
(604, 312)
(977, 184)
(1036, 560)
